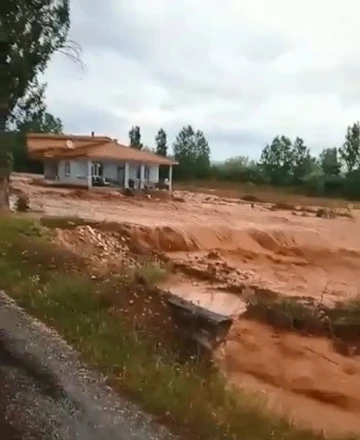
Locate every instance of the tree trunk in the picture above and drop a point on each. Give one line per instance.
(6, 160)
(5, 163)
(4, 194)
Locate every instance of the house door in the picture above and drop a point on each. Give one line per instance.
(121, 176)
(51, 170)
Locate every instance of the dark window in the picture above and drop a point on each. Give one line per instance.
(67, 169)
(97, 169)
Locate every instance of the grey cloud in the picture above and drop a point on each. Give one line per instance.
(241, 136)
(108, 29)
(237, 142)
(157, 64)
(263, 47)
(78, 119)
(342, 80)
(189, 91)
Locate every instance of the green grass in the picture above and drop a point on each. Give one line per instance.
(151, 273)
(189, 397)
(339, 323)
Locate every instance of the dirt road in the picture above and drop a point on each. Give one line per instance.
(45, 392)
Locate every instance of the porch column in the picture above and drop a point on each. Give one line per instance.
(126, 175)
(89, 174)
(170, 177)
(142, 176)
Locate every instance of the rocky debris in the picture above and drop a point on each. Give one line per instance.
(214, 269)
(103, 248)
(213, 255)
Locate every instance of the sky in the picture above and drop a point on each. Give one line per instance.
(242, 71)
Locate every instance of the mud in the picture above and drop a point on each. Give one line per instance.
(221, 248)
(298, 376)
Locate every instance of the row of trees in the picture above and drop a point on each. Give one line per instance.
(283, 162)
(336, 171)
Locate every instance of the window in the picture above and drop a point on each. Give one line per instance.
(67, 169)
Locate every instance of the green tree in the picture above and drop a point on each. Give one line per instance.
(329, 161)
(301, 160)
(350, 151)
(238, 168)
(192, 151)
(40, 123)
(276, 161)
(135, 137)
(161, 143)
(36, 30)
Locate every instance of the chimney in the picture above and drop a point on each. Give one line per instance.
(92, 134)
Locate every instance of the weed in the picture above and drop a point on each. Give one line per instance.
(62, 222)
(150, 274)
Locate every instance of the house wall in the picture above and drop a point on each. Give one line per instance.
(154, 173)
(78, 172)
(110, 170)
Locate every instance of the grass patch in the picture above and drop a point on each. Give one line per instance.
(191, 398)
(285, 313)
(62, 222)
(151, 273)
(341, 323)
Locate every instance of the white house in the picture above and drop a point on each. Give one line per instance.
(77, 160)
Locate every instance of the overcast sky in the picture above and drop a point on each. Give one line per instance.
(242, 71)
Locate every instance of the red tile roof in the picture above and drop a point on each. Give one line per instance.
(45, 146)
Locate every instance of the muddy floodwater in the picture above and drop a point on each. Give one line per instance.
(220, 246)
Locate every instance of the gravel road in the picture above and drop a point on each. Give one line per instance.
(47, 393)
